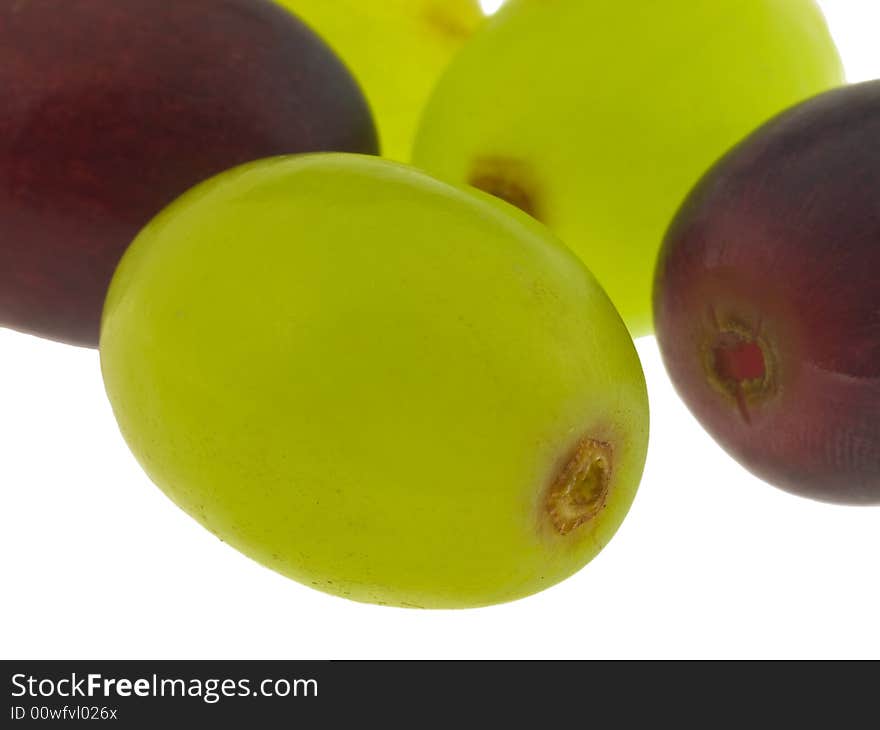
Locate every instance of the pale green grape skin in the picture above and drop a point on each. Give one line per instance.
(602, 116)
(397, 49)
(370, 381)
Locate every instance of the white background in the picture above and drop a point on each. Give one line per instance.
(97, 563)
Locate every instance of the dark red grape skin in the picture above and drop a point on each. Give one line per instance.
(112, 109)
(767, 299)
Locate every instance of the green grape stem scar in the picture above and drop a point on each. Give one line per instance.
(581, 489)
(507, 179)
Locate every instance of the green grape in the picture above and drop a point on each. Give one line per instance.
(397, 49)
(599, 117)
(377, 384)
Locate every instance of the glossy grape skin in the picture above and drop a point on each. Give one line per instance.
(779, 246)
(599, 117)
(112, 109)
(397, 49)
(371, 382)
